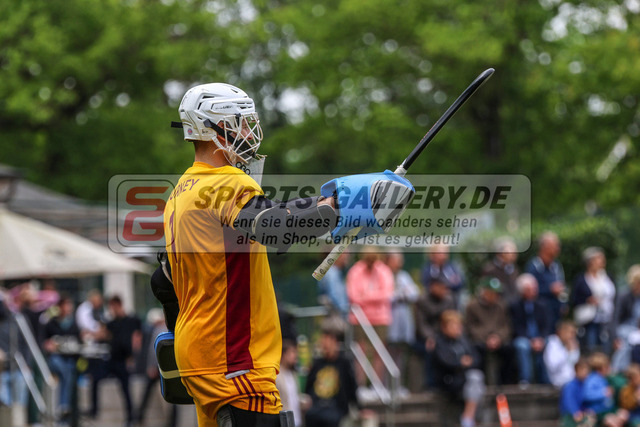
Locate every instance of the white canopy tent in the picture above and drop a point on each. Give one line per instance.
(30, 249)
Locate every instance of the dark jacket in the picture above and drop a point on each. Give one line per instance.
(624, 308)
(449, 373)
(483, 319)
(581, 291)
(428, 310)
(540, 315)
(321, 384)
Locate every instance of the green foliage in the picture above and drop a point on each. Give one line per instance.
(86, 90)
(83, 88)
(575, 236)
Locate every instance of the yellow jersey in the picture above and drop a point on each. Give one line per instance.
(228, 318)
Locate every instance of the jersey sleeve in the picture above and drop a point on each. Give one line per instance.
(238, 189)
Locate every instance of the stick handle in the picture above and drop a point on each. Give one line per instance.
(337, 250)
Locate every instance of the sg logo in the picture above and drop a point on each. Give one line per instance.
(140, 208)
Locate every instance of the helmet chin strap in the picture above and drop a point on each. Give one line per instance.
(208, 123)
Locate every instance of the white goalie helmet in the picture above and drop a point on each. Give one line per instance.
(224, 114)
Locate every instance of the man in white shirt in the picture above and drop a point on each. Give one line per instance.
(561, 354)
(85, 314)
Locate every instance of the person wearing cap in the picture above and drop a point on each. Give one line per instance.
(593, 301)
(503, 267)
(488, 325)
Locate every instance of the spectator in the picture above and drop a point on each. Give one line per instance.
(629, 399)
(90, 316)
(60, 334)
(441, 267)
(429, 308)
(31, 308)
(550, 275)
(370, 286)
(287, 381)
(402, 331)
(330, 384)
(13, 387)
(332, 288)
(125, 338)
(457, 366)
(561, 354)
(598, 394)
(593, 300)
(531, 327)
(488, 325)
(503, 266)
(156, 323)
(571, 398)
(627, 318)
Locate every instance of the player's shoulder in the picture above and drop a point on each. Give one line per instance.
(224, 175)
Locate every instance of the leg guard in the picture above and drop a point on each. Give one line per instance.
(173, 391)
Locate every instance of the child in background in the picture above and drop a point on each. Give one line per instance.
(331, 382)
(457, 366)
(629, 399)
(571, 408)
(287, 381)
(599, 395)
(561, 354)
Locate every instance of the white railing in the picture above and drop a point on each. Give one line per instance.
(44, 400)
(388, 397)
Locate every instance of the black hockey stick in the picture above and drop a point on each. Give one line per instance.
(401, 170)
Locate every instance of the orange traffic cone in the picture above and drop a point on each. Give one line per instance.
(504, 415)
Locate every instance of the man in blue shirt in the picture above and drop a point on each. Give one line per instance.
(550, 275)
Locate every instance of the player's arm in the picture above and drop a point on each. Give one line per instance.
(162, 288)
(279, 224)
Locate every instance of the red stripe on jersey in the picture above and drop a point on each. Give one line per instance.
(243, 379)
(238, 263)
(261, 395)
(246, 391)
(236, 384)
(256, 393)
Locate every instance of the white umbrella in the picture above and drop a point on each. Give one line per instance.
(30, 248)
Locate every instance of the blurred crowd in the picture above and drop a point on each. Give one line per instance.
(521, 323)
(514, 325)
(83, 342)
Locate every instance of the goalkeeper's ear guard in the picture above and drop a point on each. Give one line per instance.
(173, 391)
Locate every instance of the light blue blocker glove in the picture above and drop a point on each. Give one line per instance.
(371, 201)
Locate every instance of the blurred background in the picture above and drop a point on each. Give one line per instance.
(88, 89)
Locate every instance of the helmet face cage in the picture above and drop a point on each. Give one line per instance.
(223, 114)
(242, 136)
